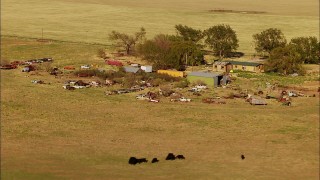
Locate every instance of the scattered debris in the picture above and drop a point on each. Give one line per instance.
(8, 66)
(255, 101)
(85, 66)
(183, 99)
(37, 81)
(95, 83)
(28, 68)
(201, 87)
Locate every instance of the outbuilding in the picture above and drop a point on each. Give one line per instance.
(146, 68)
(247, 66)
(131, 69)
(211, 79)
(173, 73)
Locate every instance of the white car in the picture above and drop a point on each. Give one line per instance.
(142, 97)
(154, 100)
(201, 87)
(85, 67)
(183, 99)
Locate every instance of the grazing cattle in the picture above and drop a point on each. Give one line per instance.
(133, 161)
(154, 160)
(170, 156)
(242, 157)
(142, 160)
(180, 157)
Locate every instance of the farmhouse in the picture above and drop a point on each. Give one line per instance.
(173, 73)
(247, 66)
(222, 66)
(226, 66)
(211, 79)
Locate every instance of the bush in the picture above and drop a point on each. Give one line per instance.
(157, 82)
(182, 84)
(199, 82)
(47, 66)
(101, 53)
(129, 81)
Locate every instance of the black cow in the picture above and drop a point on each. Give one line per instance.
(242, 157)
(180, 157)
(142, 160)
(170, 156)
(154, 160)
(133, 161)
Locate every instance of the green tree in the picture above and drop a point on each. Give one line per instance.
(268, 40)
(308, 48)
(167, 51)
(127, 41)
(222, 39)
(285, 60)
(188, 33)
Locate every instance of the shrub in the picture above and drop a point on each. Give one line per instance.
(101, 53)
(199, 82)
(183, 83)
(157, 82)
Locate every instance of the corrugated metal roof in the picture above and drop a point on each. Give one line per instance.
(131, 69)
(204, 74)
(245, 63)
(223, 63)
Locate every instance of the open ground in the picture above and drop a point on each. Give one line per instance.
(50, 133)
(86, 21)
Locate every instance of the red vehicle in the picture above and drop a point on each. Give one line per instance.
(114, 62)
(16, 63)
(8, 66)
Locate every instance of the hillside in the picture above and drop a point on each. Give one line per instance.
(82, 21)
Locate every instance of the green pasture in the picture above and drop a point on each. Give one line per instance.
(91, 21)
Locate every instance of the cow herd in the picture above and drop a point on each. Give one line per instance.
(170, 156)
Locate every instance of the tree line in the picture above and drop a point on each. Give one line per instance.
(187, 47)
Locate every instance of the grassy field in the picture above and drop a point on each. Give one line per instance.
(50, 133)
(91, 21)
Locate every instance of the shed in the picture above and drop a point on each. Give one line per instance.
(146, 68)
(211, 79)
(131, 69)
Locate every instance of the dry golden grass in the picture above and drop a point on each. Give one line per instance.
(50, 133)
(91, 21)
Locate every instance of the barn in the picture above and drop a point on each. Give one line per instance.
(211, 79)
